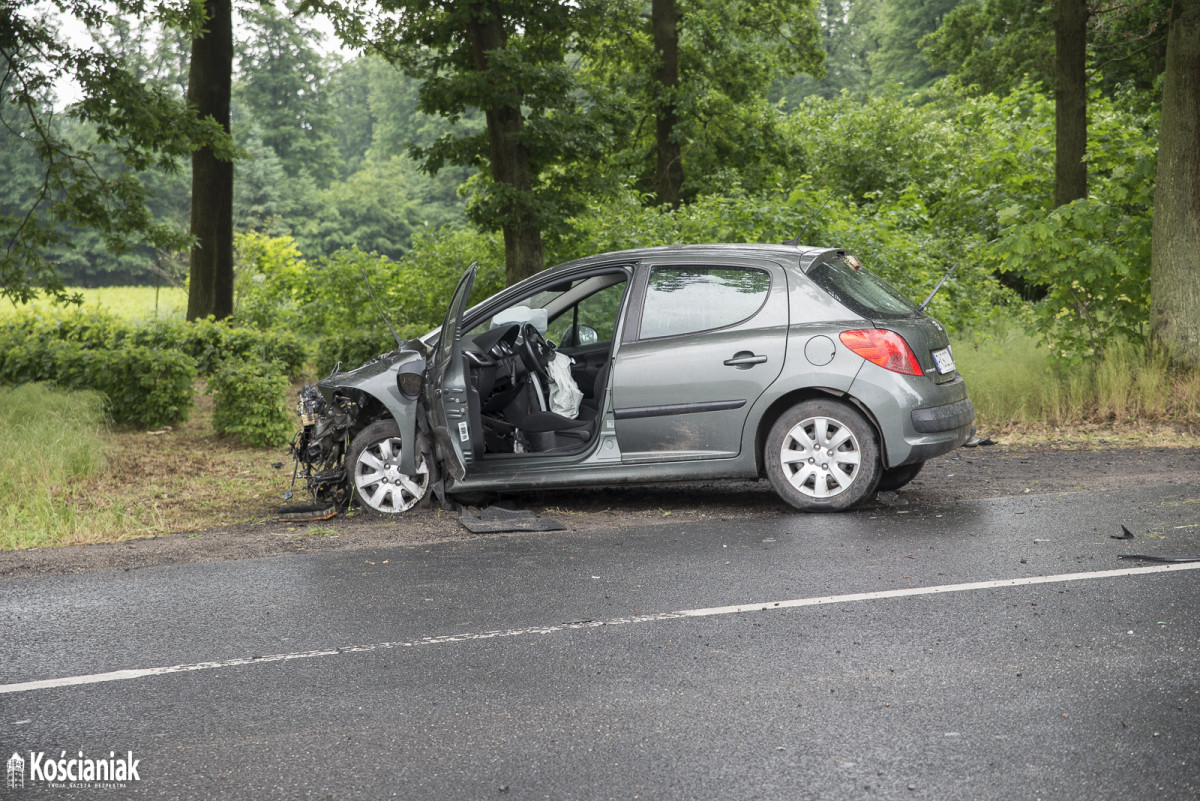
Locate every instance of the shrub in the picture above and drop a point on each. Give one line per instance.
(248, 403)
(144, 386)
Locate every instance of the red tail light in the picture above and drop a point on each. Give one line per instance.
(884, 348)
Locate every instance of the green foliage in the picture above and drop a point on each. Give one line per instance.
(898, 26)
(1092, 256)
(144, 387)
(729, 52)
(995, 44)
(326, 300)
(248, 403)
(143, 124)
(51, 439)
(282, 85)
(380, 207)
(1015, 381)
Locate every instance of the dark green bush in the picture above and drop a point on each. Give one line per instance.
(249, 403)
(143, 386)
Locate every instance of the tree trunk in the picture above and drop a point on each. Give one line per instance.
(523, 255)
(1070, 100)
(1175, 240)
(668, 174)
(209, 82)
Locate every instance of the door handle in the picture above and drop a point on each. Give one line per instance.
(744, 360)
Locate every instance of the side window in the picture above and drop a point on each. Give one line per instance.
(598, 311)
(684, 300)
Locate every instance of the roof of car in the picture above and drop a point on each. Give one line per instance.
(805, 255)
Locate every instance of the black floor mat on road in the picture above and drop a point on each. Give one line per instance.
(494, 520)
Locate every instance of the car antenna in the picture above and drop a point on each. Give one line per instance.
(921, 308)
(808, 225)
(371, 292)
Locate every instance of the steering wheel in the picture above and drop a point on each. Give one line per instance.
(536, 352)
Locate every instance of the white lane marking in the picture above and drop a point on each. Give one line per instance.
(120, 675)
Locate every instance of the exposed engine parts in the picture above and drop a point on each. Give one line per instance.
(320, 447)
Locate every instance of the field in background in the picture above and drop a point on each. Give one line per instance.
(127, 302)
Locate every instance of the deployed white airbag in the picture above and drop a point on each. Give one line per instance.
(522, 314)
(564, 392)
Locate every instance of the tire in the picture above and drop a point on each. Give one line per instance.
(822, 479)
(372, 467)
(896, 477)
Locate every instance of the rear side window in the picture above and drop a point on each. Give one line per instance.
(683, 300)
(860, 290)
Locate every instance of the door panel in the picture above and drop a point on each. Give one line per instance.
(675, 396)
(447, 401)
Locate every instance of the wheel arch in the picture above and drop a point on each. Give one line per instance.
(799, 395)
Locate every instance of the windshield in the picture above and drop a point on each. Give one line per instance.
(860, 290)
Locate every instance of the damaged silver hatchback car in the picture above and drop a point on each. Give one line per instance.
(792, 363)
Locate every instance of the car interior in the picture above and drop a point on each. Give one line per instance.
(508, 361)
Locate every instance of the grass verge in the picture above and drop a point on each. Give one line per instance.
(122, 484)
(51, 442)
(1129, 396)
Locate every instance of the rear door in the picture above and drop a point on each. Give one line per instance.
(447, 392)
(702, 343)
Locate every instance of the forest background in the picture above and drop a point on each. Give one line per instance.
(918, 134)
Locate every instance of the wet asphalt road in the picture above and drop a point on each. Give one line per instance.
(1085, 689)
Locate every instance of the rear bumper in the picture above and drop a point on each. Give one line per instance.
(917, 419)
(947, 417)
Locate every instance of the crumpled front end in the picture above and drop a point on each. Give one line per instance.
(319, 449)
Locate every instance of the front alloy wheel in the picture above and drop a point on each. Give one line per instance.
(822, 456)
(374, 463)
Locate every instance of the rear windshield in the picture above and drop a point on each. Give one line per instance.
(860, 290)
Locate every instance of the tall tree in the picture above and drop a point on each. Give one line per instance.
(1070, 100)
(507, 58)
(282, 77)
(899, 25)
(687, 88)
(668, 175)
(142, 124)
(1175, 238)
(210, 291)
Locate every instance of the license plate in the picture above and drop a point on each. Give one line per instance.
(945, 362)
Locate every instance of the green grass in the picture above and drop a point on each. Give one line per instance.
(50, 442)
(1013, 382)
(128, 302)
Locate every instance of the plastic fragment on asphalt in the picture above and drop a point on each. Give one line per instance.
(306, 513)
(1174, 560)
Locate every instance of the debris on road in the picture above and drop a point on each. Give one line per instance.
(495, 520)
(1174, 560)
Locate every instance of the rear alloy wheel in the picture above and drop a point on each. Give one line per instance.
(822, 456)
(374, 465)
